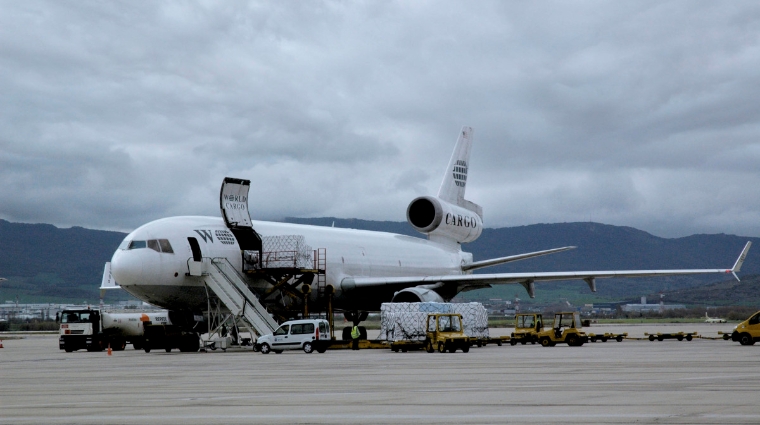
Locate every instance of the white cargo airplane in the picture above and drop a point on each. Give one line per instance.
(364, 268)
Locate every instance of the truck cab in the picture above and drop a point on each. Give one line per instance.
(565, 329)
(445, 332)
(79, 329)
(527, 327)
(748, 331)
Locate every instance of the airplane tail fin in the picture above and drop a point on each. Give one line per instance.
(455, 180)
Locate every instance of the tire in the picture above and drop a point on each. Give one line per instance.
(147, 349)
(680, 337)
(429, 346)
(593, 339)
(308, 348)
(524, 342)
(604, 339)
(651, 337)
(466, 349)
(346, 335)
(498, 343)
(746, 339)
(572, 340)
(265, 348)
(514, 342)
(277, 351)
(321, 350)
(68, 348)
(441, 347)
(394, 349)
(545, 342)
(619, 339)
(168, 349)
(726, 337)
(688, 337)
(660, 338)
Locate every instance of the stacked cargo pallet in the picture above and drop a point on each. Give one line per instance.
(407, 321)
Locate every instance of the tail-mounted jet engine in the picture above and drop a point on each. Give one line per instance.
(436, 217)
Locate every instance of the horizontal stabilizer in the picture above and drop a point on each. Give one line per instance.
(108, 281)
(496, 261)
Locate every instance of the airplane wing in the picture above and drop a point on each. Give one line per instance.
(468, 281)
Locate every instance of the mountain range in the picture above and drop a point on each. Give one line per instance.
(44, 263)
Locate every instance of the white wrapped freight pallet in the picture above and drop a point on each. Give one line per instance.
(407, 321)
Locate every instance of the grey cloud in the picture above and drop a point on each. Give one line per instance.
(641, 114)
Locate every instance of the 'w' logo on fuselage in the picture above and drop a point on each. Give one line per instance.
(205, 235)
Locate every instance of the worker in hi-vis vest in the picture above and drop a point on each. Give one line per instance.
(355, 334)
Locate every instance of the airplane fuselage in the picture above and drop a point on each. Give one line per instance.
(144, 268)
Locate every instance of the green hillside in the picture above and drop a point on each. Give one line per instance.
(46, 264)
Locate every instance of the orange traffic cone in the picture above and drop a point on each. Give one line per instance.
(109, 349)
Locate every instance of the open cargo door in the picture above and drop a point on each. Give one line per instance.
(233, 201)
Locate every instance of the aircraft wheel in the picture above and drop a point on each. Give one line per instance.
(265, 349)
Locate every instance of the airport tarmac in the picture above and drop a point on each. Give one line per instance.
(671, 382)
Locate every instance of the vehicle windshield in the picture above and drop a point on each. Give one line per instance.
(282, 330)
(75, 317)
(563, 321)
(525, 321)
(449, 324)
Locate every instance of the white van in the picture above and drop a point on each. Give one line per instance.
(296, 334)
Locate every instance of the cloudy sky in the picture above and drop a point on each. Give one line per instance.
(643, 114)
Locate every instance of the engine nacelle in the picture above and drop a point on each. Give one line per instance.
(417, 295)
(435, 217)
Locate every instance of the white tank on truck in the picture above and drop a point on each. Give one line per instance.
(95, 330)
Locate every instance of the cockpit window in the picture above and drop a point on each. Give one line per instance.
(158, 245)
(137, 245)
(124, 244)
(166, 246)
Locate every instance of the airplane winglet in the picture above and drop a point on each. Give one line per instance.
(739, 261)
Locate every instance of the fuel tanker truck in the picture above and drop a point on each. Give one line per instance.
(95, 330)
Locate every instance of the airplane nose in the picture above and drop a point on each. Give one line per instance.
(126, 267)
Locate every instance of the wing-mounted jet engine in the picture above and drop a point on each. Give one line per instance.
(233, 201)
